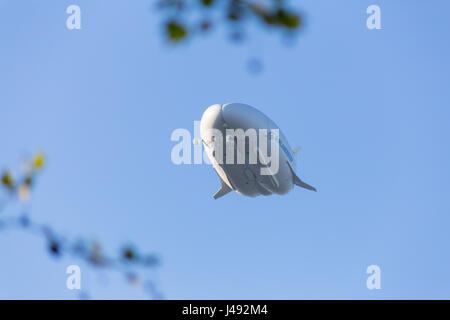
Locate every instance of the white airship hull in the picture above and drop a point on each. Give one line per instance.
(246, 178)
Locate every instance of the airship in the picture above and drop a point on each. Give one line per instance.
(259, 138)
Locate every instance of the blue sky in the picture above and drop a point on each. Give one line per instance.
(370, 109)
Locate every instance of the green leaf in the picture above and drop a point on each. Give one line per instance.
(7, 180)
(207, 3)
(176, 31)
(288, 20)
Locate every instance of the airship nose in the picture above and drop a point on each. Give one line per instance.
(211, 119)
(239, 115)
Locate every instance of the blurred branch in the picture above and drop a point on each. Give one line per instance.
(128, 261)
(179, 24)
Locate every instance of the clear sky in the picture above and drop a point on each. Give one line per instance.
(370, 109)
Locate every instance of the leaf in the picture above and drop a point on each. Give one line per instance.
(28, 181)
(129, 254)
(7, 180)
(176, 31)
(95, 256)
(270, 19)
(255, 66)
(235, 13)
(132, 278)
(207, 3)
(54, 248)
(205, 25)
(288, 20)
(24, 193)
(25, 221)
(38, 161)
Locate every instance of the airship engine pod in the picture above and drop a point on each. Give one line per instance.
(248, 151)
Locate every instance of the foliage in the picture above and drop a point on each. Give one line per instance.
(179, 24)
(129, 261)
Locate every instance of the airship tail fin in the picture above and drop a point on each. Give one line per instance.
(299, 182)
(302, 184)
(296, 150)
(224, 189)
